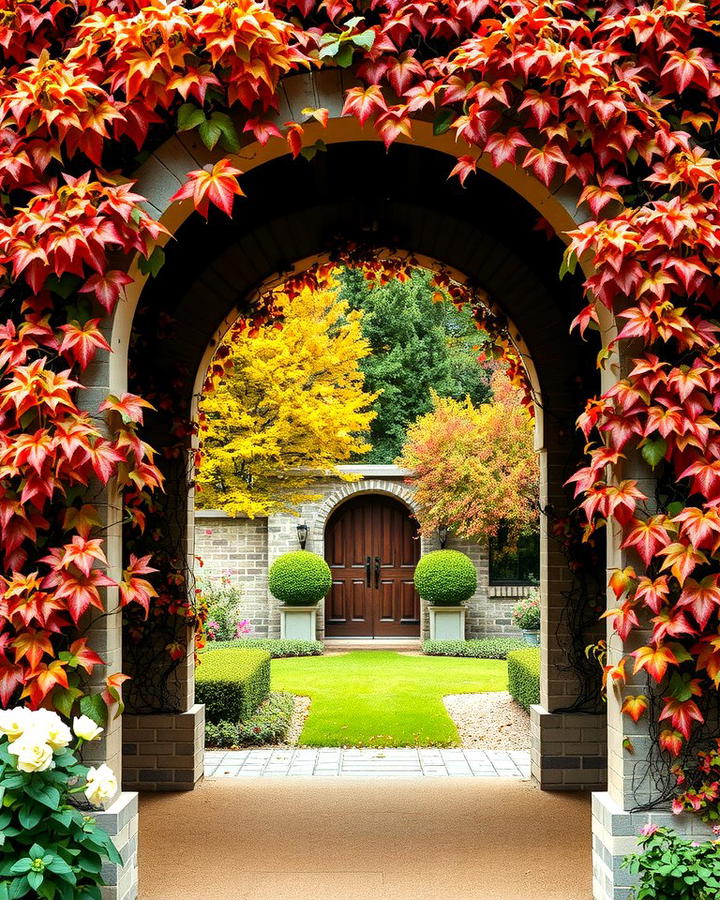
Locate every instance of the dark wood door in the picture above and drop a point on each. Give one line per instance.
(372, 552)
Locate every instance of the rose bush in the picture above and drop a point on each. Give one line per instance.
(50, 848)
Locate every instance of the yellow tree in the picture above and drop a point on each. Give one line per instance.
(290, 407)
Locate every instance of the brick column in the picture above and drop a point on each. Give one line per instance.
(568, 750)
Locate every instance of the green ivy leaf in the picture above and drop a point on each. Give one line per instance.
(210, 133)
(63, 699)
(653, 451)
(344, 56)
(153, 263)
(189, 117)
(365, 39)
(443, 121)
(229, 136)
(93, 706)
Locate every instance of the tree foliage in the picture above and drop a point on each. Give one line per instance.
(419, 343)
(475, 466)
(290, 406)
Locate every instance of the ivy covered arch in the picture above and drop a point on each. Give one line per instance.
(618, 101)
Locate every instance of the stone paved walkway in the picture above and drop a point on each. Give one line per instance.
(394, 762)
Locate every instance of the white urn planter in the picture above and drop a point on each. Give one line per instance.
(447, 623)
(298, 623)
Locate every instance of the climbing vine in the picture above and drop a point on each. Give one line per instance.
(615, 98)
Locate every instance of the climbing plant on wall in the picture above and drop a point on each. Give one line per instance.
(618, 99)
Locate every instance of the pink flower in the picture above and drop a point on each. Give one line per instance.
(716, 829)
(677, 806)
(208, 531)
(648, 830)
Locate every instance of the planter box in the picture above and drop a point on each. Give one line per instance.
(298, 623)
(532, 637)
(447, 623)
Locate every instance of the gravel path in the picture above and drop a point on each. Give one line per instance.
(302, 708)
(490, 721)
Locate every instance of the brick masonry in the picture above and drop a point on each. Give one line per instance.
(569, 750)
(164, 751)
(120, 821)
(243, 549)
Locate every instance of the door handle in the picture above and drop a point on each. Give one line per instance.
(367, 571)
(377, 571)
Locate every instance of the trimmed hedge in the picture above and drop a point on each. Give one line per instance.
(232, 683)
(269, 724)
(485, 648)
(524, 676)
(299, 578)
(276, 647)
(445, 577)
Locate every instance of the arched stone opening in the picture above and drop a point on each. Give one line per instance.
(487, 232)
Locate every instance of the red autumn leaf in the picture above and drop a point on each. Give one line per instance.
(503, 147)
(130, 407)
(647, 536)
(33, 645)
(82, 655)
(681, 559)
(43, 680)
(682, 714)
(465, 166)
(621, 580)
(635, 707)
(672, 741)
(364, 102)
(624, 619)
(655, 661)
(11, 678)
(701, 598)
(671, 624)
(106, 287)
(81, 342)
(217, 185)
(112, 693)
(544, 162)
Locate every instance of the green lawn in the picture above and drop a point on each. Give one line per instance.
(381, 698)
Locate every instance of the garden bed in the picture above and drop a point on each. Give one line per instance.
(490, 721)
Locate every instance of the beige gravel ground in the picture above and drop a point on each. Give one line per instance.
(491, 721)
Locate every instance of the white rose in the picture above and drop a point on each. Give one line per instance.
(33, 754)
(49, 723)
(101, 784)
(85, 728)
(13, 722)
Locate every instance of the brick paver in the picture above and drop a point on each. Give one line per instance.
(391, 762)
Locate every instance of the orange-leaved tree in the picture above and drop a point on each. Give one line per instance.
(474, 466)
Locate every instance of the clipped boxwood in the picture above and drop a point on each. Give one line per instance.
(445, 578)
(485, 648)
(232, 683)
(524, 676)
(276, 647)
(299, 578)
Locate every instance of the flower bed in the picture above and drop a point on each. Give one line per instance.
(269, 724)
(232, 683)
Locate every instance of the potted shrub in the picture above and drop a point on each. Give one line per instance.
(446, 579)
(299, 580)
(526, 617)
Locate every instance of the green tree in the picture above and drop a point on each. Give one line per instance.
(417, 346)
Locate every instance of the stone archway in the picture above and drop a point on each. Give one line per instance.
(569, 747)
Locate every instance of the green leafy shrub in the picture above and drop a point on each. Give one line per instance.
(485, 648)
(222, 734)
(526, 614)
(445, 577)
(674, 868)
(299, 578)
(269, 724)
(524, 676)
(276, 647)
(232, 683)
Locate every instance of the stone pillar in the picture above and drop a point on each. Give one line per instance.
(568, 749)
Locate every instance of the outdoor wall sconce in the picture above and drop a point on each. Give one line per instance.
(442, 534)
(302, 533)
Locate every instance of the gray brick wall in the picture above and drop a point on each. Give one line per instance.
(243, 549)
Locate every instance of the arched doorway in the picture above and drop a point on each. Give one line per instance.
(372, 550)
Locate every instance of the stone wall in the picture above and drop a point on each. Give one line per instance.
(243, 549)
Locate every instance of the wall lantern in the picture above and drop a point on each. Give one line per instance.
(443, 535)
(302, 533)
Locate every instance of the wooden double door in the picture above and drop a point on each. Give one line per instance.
(372, 550)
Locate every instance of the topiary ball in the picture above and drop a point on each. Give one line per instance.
(446, 578)
(300, 578)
